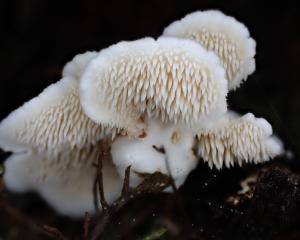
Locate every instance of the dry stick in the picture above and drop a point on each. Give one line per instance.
(99, 183)
(86, 226)
(99, 228)
(126, 183)
(53, 232)
(95, 193)
(103, 202)
(95, 187)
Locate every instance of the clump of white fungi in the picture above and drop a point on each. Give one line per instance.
(138, 97)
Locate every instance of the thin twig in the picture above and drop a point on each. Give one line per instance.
(99, 183)
(126, 183)
(103, 202)
(53, 232)
(86, 226)
(95, 192)
(161, 150)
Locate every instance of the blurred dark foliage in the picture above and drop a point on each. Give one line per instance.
(39, 37)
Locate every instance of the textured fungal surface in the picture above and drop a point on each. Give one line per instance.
(223, 35)
(55, 144)
(165, 145)
(238, 140)
(66, 184)
(51, 122)
(175, 80)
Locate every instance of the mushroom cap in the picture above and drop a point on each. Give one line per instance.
(173, 79)
(144, 157)
(238, 140)
(223, 35)
(76, 67)
(53, 121)
(67, 188)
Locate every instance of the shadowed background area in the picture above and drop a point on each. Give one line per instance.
(39, 37)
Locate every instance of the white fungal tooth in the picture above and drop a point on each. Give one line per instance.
(227, 157)
(129, 93)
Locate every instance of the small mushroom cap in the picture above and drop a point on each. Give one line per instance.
(53, 121)
(67, 188)
(223, 35)
(144, 155)
(173, 79)
(238, 140)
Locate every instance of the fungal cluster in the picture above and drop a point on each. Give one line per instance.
(137, 97)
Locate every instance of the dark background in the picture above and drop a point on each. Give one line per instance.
(39, 37)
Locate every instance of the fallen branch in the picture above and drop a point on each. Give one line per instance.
(86, 226)
(53, 232)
